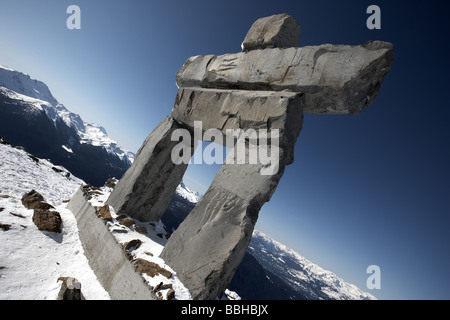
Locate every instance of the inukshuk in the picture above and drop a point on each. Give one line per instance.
(266, 86)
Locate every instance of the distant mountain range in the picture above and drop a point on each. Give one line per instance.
(31, 117)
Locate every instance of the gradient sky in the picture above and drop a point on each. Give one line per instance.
(367, 189)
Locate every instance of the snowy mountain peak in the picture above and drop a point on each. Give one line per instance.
(188, 194)
(17, 85)
(301, 274)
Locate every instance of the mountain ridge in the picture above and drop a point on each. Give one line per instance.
(33, 118)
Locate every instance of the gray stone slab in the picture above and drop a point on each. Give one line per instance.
(336, 79)
(146, 188)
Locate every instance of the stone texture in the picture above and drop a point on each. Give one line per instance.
(208, 246)
(240, 109)
(335, 79)
(267, 86)
(30, 199)
(151, 269)
(148, 185)
(105, 255)
(46, 220)
(104, 213)
(70, 289)
(277, 31)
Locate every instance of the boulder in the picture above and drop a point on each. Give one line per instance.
(277, 31)
(46, 220)
(170, 294)
(130, 246)
(104, 213)
(31, 199)
(70, 289)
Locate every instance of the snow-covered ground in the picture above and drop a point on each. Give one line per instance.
(31, 261)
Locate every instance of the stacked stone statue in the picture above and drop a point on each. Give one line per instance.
(266, 86)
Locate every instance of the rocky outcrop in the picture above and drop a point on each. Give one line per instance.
(277, 31)
(70, 289)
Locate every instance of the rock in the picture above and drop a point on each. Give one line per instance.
(139, 229)
(46, 220)
(335, 79)
(32, 199)
(207, 247)
(157, 287)
(104, 213)
(165, 286)
(277, 31)
(4, 226)
(58, 170)
(151, 269)
(241, 109)
(16, 214)
(70, 289)
(111, 183)
(170, 294)
(128, 247)
(34, 158)
(41, 205)
(127, 222)
(145, 190)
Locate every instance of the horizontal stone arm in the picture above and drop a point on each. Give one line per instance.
(336, 79)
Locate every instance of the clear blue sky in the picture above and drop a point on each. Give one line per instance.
(366, 189)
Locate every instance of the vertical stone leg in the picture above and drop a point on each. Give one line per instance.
(209, 245)
(145, 190)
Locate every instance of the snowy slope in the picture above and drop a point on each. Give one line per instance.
(300, 273)
(17, 85)
(31, 261)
